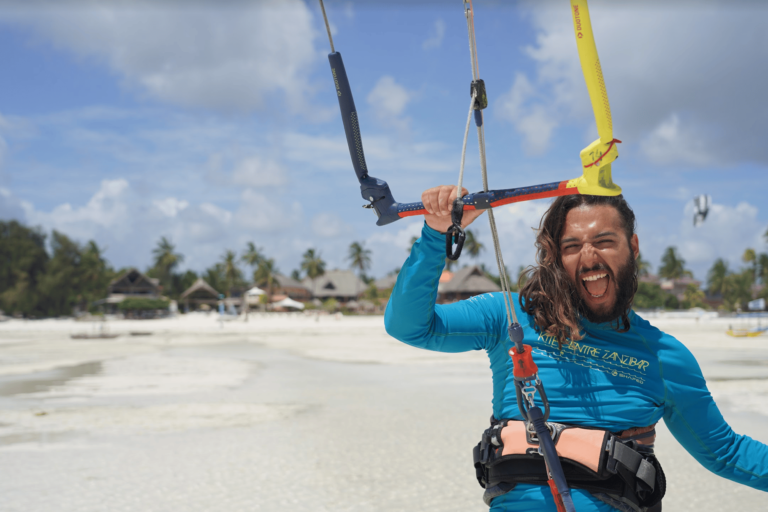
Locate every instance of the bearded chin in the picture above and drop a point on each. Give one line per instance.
(625, 293)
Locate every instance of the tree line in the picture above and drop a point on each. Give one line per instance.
(735, 287)
(40, 279)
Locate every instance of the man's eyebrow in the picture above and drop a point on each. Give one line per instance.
(599, 235)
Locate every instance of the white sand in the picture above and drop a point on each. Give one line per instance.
(288, 412)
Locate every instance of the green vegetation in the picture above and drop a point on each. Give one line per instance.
(359, 257)
(45, 277)
(737, 288)
(672, 265)
(312, 264)
(472, 246)
(138, 304)
(36, 284)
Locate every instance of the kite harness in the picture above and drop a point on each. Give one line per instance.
(512, 451)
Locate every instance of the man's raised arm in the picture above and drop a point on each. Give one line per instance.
(412, 315)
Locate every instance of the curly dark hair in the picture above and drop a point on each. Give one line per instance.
(549, 294)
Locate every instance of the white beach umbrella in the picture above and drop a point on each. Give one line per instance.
(255, 291)
(289, 303)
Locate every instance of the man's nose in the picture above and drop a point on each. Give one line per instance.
(588, 254)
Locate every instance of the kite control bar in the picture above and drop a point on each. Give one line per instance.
(596, 179)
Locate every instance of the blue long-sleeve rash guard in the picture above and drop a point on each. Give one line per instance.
(608, 379)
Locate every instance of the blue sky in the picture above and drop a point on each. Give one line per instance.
(125, 122)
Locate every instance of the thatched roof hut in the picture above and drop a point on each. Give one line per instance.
(342, 285)
(465, 283)
(199, 293)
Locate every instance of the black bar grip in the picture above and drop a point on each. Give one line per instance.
(348, 115)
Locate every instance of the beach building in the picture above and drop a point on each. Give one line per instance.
(291, 288)
(463, 284)
(342, 285)
(674, 286)
(198, 294)
(385, 283)
(130, 284)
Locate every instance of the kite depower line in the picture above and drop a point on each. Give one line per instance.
(596, 179)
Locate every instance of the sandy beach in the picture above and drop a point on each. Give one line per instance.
(289, 412)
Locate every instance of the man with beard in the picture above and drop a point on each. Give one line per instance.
(603, 366)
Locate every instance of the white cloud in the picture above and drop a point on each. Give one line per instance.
(672, 143)
(266, 213)
(258, 172)
(726, 233)
(11, 207)
(435, 39)
(170, 206)
(221, 215)
(534, 120)
(330, 225)
(678, 70)
(388, 100)
(332, 154)
(3, 146)
(231, 57)
(391, 248)
(517, 224)
(107, 209)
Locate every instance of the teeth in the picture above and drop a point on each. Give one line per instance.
(595, 277)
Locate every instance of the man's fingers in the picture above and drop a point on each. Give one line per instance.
(439, 200)
(429, 198)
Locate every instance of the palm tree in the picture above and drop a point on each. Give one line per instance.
(717, 277)
(762, 268)
(471, 245)
(166, 260)
(265, 275)
(252, 255)
(750, 256)
(359, 256)
(313, 265)
(232, 274)
(738, 290)
(643, 266)
(672, 265)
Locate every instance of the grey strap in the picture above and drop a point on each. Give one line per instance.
(635, 463)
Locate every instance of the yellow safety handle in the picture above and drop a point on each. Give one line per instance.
(597, 157)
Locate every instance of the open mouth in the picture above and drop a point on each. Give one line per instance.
(596, 284)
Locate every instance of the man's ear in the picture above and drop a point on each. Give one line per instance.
(634, 244)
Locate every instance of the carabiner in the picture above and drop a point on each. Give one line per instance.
(455, 233)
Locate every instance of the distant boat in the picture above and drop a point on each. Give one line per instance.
(141, 333)
(745, 333)
(94, 336)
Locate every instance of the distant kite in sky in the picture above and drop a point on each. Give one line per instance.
(701, 206)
